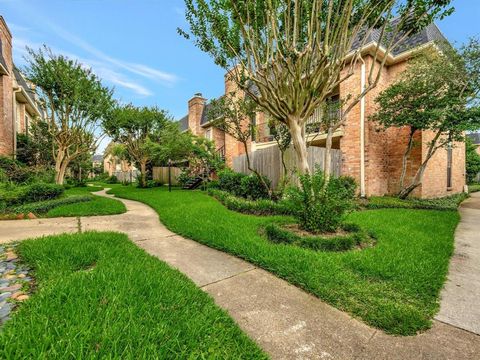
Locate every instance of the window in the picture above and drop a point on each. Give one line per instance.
(449, 166)
(209, 134)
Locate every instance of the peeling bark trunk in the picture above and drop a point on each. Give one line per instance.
(299, 144)
(257, 174)
(60, 166)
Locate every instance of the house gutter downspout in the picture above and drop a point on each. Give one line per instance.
(14, 122)
(362, 132)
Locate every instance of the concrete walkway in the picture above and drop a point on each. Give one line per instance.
(284, 320)
(460, 304)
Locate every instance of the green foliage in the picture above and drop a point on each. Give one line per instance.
(473, 188)
(472, 159)
(12, 195)
(75, 101)
(36, 147)
(438, 92)
(42, 207)
(345, 242)
(252, 187)
(445, 203)
(258, 207)
(393, 286)
(231, 181)
(320, 204)
(112, 180)
(104, 297)
(137, 129)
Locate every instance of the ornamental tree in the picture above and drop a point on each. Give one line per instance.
(290, 55)
(74, 101)
(133, 127)
(438, 92)
(472, 159)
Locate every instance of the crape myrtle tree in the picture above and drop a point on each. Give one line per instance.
(234, 114)
(437, 93)
(289, 55)
(133, 127)
(282, 137)
(74, 101)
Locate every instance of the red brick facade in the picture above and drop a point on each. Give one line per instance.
(17, 100)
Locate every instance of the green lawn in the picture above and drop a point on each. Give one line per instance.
(98, 205)
(393, 286)
(100, 296)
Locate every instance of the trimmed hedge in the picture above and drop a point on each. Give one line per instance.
(18, 195)
(257, 207)
(445, 203)
(43, 207)
(356, 237)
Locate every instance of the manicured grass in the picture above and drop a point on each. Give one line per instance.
(393, 286)
(97, 206)
(100, 296)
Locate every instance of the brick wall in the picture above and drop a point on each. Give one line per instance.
(6, 94)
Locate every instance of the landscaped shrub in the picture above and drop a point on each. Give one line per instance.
(320, 205)
(258, 207)
(40, 192)
(445, 203)
(112, 180)
(43, 207)
(184, 177)
(231, 181)
(473, 188)
(251, 187)
(355, 237)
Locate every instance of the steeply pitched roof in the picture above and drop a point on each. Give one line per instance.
(3, 63)
(183, 123)
(23, 83)
(475, 137)
(424, 36)
(97, 157)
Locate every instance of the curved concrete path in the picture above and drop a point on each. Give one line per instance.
(460, 304)
(285, 321)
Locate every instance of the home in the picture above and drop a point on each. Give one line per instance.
(372, 157)
(18, 102)
(113, 165)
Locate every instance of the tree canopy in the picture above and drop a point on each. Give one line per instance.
(74, 100)
(290, 55)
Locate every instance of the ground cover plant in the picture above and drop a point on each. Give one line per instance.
(92, 301)
(393, 286)
(473, 188)
(445, 203)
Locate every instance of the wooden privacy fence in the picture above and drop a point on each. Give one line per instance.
(268, 162)
(161, 174)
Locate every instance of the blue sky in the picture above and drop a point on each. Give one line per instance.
(133, 44)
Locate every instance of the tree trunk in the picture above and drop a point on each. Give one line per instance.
(417, 180)
(143, 173)
(60, 166)
(299, 144)
(327, 164)
(406, 156)
(257, 174)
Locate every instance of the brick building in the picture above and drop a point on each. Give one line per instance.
(18, 104)
(373, 158)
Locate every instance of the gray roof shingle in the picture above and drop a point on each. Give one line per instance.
(475, 137)
(183, 123)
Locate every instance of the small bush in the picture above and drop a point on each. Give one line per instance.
(40, 192)
(445, 203)
(152, 184)
(231, 181)
(43, 207)
(251, 187)
(320, 205)
(473, 188)
(112, 180)
(258, 207)
(184, 177)
(355, 238)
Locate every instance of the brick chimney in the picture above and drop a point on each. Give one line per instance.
(195, 110)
